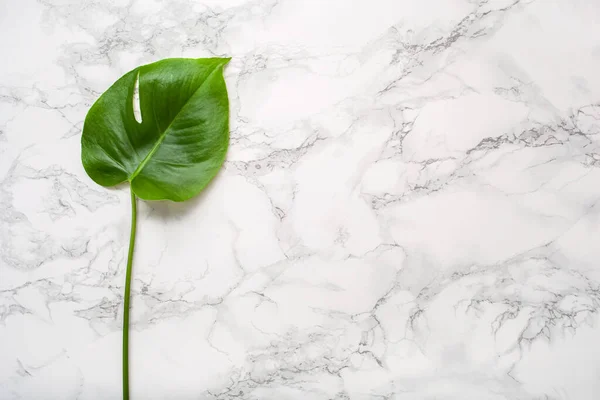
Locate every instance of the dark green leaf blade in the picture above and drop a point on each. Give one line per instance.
(182, 138)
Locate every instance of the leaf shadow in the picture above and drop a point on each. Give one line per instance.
(123, 186)
(166, 209)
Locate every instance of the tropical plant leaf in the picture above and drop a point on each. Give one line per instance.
(182, 138)
(168, 152)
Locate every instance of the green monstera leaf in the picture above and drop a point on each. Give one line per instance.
(169, 150)
(181, 140)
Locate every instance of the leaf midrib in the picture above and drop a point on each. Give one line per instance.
(162, 136)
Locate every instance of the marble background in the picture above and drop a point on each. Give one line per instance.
(409, 209)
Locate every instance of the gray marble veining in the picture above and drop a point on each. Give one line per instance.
(408, 211)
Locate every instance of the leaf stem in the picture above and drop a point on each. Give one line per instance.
(126, 296)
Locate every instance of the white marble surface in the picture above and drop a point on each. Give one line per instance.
(409, 210)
